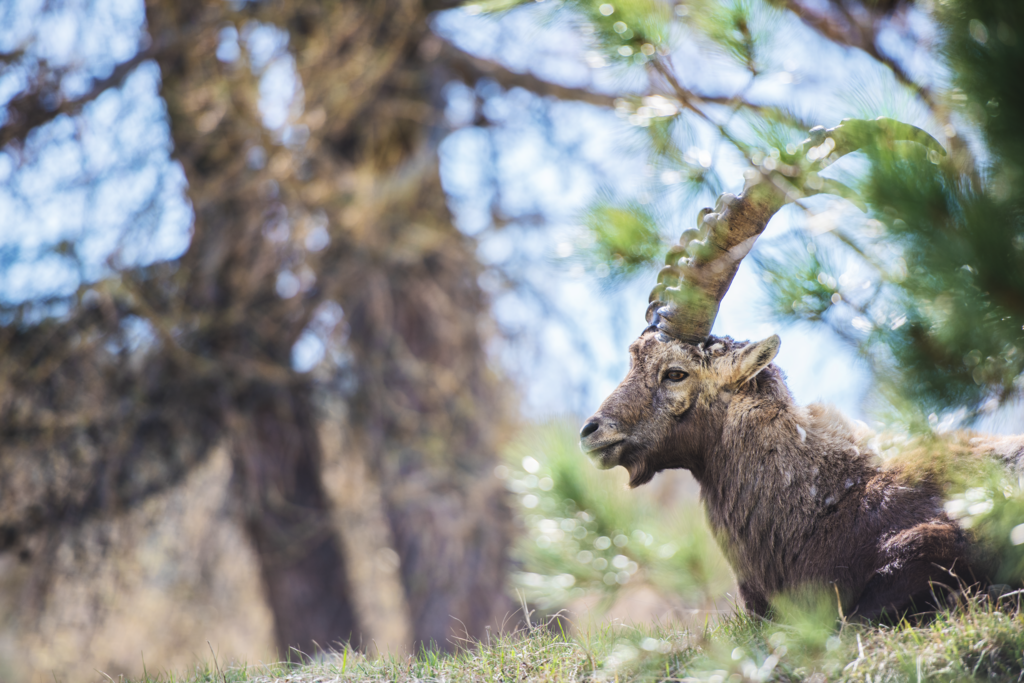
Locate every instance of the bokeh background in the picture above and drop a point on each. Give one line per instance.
(302, 303)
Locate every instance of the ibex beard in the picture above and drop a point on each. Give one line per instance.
(796, 500)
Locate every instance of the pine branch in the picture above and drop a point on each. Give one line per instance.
(855, 35)
(865, 38)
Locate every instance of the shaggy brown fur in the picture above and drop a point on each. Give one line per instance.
(794, 495)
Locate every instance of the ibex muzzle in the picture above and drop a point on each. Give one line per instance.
(793, 495)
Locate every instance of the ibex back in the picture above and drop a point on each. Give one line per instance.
(793, 494)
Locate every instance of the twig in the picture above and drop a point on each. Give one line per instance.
(471, 68)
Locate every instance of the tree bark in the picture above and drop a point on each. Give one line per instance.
(426, 414)
(222, 310)
(278, 480)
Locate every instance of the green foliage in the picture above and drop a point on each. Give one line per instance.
(985, 47)
(963, 341)
(625, 238)
(587, 534)
(742, 29)
(629, 31)
(991, 505)
(799, 282)
(947, 318)
(1004, 530)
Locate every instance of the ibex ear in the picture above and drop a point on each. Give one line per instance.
(753, 358)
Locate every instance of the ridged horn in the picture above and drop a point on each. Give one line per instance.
(700, 268)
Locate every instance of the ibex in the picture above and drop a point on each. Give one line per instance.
(792, 494)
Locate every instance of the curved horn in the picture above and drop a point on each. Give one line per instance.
(699, 269)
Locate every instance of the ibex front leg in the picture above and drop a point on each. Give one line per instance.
(754, 600)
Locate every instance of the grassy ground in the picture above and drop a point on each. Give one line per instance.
(975, 642)
(585, 535)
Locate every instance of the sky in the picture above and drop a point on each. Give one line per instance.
(92, 181)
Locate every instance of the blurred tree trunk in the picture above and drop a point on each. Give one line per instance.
(425, 412)
(227, 314)
(428, 414)
(277, 466)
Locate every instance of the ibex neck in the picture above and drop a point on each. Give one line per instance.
(777, 471)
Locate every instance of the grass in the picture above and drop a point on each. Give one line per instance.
(975, 642)
(583, 534)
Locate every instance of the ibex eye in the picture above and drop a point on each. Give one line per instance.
(676, 375)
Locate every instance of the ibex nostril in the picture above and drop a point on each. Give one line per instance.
(589, 429)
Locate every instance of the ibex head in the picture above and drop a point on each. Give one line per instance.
(670, 409)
